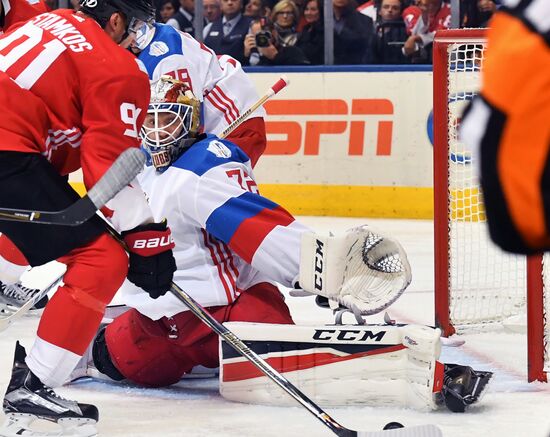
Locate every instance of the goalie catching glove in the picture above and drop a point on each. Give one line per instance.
(152, 264)
(362, 268)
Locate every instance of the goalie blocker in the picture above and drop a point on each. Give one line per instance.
(343, 365)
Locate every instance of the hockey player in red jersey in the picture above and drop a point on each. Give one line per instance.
(219, 83)
(72, 98)
(16, 11)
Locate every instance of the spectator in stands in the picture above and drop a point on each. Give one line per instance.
(183, 19)
(285, 16)
(431, 16)
(312, 37)
(391, 34)
(226, 35)
(257, 9)
(353, 34)
(262, 46)
(212, 10)
(167, 9)
(476, 13)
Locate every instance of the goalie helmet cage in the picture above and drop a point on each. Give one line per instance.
(476, 284)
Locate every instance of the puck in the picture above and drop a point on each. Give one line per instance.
(393, 425)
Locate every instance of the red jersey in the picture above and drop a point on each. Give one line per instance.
(69, 92)
(15, 11)
(415, 22)
(74, 95)
(410, 15)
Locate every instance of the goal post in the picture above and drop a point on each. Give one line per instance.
(476, 284)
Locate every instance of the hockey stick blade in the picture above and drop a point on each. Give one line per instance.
(121, 173)
(408, 431)
(6, 321)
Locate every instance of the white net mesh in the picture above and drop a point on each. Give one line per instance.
(486, 284)
(487, 288)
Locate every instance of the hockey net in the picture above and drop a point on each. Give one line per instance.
(477, 286)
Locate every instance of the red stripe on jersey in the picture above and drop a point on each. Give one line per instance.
(230, 101)
(246, 370)
(224, 262)
(252, 231)
(215, 93)
(209, 245)
(229, 264)
(232, 264)
(210, 98)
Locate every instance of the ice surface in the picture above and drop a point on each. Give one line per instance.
(512, 407)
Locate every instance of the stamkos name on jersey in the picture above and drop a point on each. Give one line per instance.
(63, 30)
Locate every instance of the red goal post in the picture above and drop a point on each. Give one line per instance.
(476, 284)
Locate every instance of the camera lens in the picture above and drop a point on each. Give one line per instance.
(263, 39)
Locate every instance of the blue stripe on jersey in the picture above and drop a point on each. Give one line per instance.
(224, 221)
(163, 34)
(199, 159)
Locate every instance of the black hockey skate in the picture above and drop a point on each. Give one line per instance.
(463, 386)
(14, 296)
(27, 399)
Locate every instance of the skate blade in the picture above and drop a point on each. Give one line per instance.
(20, 424)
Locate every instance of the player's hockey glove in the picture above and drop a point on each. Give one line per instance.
(462, 386)
(152, 264)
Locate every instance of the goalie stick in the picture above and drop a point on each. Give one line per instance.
(275, 88)
(123, 170)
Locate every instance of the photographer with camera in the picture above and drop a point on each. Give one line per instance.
(262, 46)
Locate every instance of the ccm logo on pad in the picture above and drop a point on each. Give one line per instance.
(348, 335)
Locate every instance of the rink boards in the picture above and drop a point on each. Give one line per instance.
(349, 142)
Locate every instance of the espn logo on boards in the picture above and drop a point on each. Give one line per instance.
(328, 116)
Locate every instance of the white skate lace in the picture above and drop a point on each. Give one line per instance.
(17, 291)
(52, 393)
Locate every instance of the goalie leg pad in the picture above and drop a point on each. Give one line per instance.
(337, 365)
(361, 268)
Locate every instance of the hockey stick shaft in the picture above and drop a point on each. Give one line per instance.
(6, 321)
(277, 86)
(123, 170)
(240, 347)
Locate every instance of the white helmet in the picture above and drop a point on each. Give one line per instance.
(172, 121)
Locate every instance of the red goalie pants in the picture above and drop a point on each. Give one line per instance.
(158, 353)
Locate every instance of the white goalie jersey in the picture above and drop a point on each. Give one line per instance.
(220, 83)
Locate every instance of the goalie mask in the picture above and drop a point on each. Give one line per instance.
(172, 121)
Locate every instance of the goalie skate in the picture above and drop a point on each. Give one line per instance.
(14, 296)
(28, 400)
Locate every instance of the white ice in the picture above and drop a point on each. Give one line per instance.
(511, 408)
